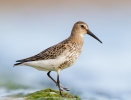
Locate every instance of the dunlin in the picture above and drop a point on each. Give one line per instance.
(62, 55)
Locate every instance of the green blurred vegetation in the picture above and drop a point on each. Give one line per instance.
(49, 94)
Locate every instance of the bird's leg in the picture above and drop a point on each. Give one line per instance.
(58, 84)
(62, 88)
(51, 77)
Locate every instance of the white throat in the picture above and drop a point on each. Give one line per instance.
(82, 35)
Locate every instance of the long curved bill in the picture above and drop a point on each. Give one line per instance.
(91, 34)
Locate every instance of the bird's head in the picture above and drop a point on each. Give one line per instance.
(82, 28)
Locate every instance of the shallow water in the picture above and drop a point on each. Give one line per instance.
(18, 94)
(12, 90)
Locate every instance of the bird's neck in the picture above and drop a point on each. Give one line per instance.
(77, 38)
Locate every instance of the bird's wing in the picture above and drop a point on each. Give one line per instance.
(49, 53)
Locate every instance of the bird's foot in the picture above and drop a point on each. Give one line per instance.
(63, 88)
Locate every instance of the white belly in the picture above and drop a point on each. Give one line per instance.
(46, 65)
(63, 61)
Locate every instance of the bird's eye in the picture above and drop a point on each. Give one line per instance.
(82, 26)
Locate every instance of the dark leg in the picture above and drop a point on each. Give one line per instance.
(56, 82)
(51, 77)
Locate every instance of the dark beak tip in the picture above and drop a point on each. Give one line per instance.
(91, 34)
